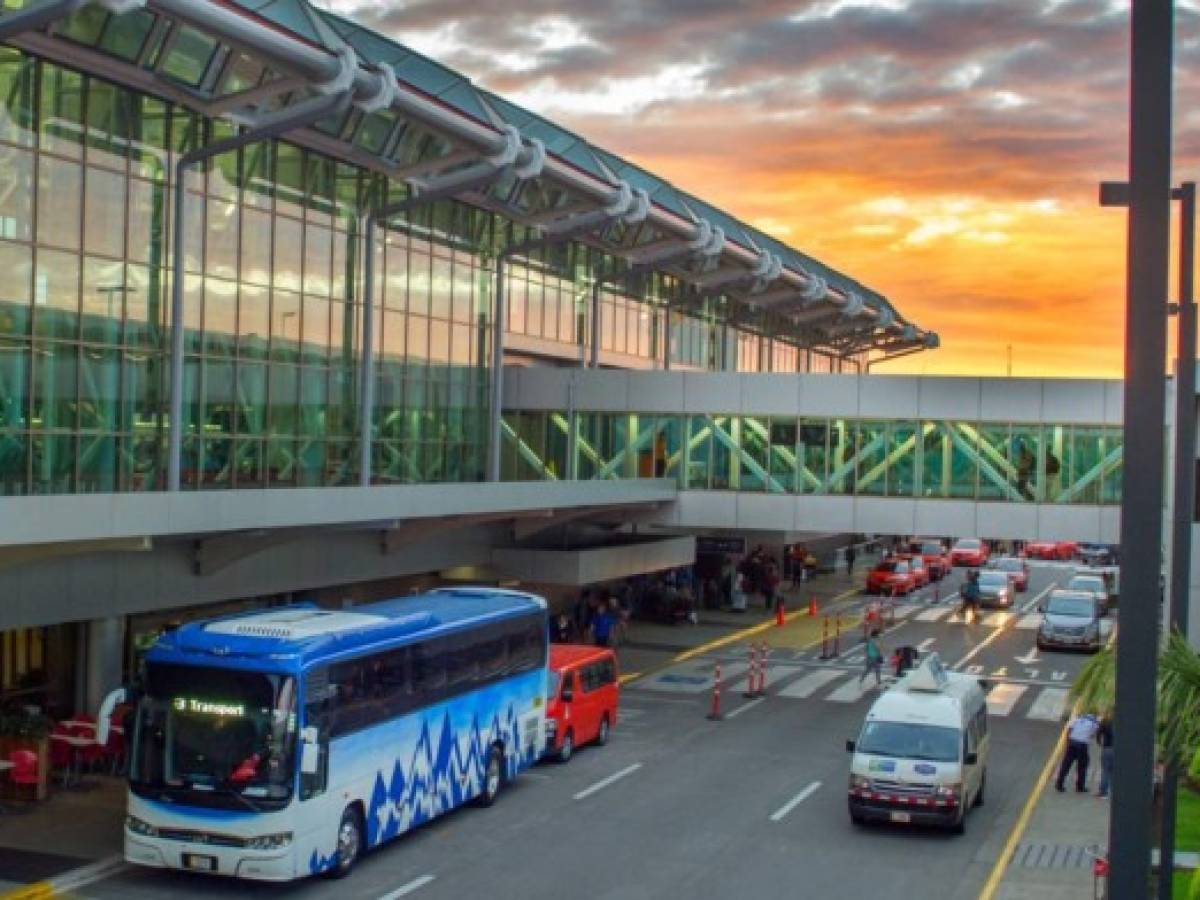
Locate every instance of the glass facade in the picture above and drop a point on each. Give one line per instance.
(273, 262)
(1010, 462)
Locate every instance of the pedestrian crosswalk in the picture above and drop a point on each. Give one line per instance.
(840, 684)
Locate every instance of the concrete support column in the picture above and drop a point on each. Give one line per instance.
(105, 642)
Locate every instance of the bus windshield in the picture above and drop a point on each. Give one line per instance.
(909, 741)
(223, 735)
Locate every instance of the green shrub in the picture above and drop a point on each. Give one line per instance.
(1194, 890)
(1194, 768)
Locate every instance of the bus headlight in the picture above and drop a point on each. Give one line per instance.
(270, 841)
(948, 792)
(137, 826)
(859, 783)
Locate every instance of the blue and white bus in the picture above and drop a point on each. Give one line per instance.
(282, 743)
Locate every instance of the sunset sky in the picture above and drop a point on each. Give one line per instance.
(943, 152)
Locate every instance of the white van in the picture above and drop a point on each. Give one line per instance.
(921, 756)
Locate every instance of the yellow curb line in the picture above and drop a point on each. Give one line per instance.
(997, 874)
(39, 890)
(731, 639)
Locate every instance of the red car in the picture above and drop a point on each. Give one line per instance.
(1016, 569)
(892, 576)
(937, 563)
(584, 696)
(1052, 550)
(969, 552)
(920, 571)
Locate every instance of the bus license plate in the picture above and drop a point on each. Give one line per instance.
(901, 817)
(199, 863)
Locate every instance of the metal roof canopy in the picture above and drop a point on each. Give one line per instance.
(415, 118)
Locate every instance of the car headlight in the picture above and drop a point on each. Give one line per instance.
(948, 791)
(270, 841)
(859, 783)
(138, 826)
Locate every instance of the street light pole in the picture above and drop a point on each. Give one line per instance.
(1184, 494)
(1142, 488)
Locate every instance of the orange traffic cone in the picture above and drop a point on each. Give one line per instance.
(779, 620)
(812, 605)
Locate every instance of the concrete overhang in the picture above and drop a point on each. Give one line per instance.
(589, 565)
(108, 517)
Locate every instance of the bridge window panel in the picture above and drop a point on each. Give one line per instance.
(1025, 448)
(463, 290)
(341, 463)
(14, 460)
(318, 252)
(254, 321)
(534, 302)
(1110, 488)
(314, 346)
(285, 325)
(141, 462)
(249, 463)
(841, 461)
(963, 448)
(514, 298)
(871, 458)
(784, 468)
(1052, 468)
(902, 459)
(997, 463)
(188, 56)
(441, 288)
(283, 393)
(1083, 469)
(752, 435)
(99, 389)
(698, 454)
(936, 460)
(812, 455)
(98, 463)
(726, 465)
(280, 461)
(289, 246)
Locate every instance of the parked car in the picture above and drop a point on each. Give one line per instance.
(934, 554)
(1097, 554)
(891, 576)
(1058, 551)
(1071, 619)
(584, 698)
(919, 569)
(969, 552)
(1015, 568)
(1092, 583)
(995, 589)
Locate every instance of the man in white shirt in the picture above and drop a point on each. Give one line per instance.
(1080, 733)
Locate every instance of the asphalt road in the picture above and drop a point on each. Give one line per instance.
(752, 806)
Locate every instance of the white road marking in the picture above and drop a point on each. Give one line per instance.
(926, 645)
(745, 706)
(1030, 622)
(978, 647)
(795, 801)
(1003, 697)
(1025, 607)
(1049, 705)
(1058, 676)
(933, 615)
(404, 890)
(903, 610)
(997, 619)
(852, 690)
(605, 782)
(810, 683)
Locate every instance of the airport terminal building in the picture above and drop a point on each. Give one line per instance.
(263, 273)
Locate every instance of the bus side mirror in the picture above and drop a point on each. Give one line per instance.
(567, 695)
(971, 759)
(849, 746)
(104, 716)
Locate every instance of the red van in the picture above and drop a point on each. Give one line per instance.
(583, 697)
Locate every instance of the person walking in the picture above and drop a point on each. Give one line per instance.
(850, 560)
(1104, 737)
(873, 659)
(602, 625)
(562, 629)
(1080, 733)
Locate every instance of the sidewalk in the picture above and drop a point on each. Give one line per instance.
(1050, 858)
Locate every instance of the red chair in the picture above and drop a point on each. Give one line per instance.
(114, 749)
(24, 773)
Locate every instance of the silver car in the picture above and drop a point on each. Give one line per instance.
(1071, 619)
(1093, 584)
(995, 588)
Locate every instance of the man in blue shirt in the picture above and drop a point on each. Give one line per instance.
(602, 624)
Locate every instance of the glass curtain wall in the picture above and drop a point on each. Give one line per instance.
(932, 459)
(272, 298)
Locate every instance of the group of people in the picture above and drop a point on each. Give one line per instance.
(601, 614)
(760, 575)
(1081, 732)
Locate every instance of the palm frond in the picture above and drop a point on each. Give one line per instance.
(1179, 698)
(1095, 688)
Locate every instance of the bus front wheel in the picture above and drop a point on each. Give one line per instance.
(493, 777)
(349, 843)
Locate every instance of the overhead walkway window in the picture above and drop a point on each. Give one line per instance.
(928, 459)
